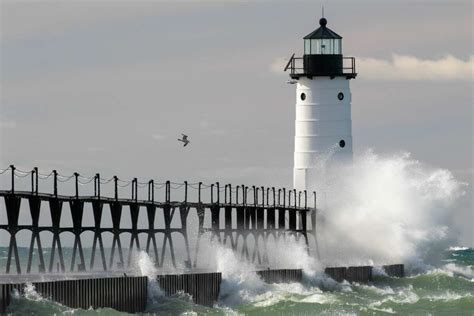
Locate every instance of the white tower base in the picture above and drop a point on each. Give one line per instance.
(323, 128)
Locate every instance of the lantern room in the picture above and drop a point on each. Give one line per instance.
(323, 41)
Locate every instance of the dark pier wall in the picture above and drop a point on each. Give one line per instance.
(395, 270)
(362, 274)
(203, 287)
(129, 293)
(281, 275)
(126, 294)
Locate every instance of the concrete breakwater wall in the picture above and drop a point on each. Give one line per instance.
(362, 274)
(204, 288)
(395, 270)
(126, 294)
(281, 275)
(129, 293)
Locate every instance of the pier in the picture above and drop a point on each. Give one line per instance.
(90, 261)
(161, 217)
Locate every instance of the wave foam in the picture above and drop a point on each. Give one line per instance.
(448, 296)
(457, 248)
(380, 210)
(454, 269)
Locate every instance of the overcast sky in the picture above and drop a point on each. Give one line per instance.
(108, 86)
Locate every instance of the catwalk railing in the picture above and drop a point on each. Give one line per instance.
(222, 213)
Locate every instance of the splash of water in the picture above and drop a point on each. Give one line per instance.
(30, 302)
(29, 292)
(294, 254)
(387, 209)
(240, 282)
(145, 266)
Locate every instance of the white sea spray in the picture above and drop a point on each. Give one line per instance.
(30, 293)
(382, 210)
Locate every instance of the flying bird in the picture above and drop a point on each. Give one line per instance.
(184, 139)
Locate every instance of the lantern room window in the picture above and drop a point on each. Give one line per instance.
(322, 47)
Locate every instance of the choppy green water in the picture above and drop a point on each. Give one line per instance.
(445, 290)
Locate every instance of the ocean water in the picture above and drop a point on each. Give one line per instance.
(445, 289)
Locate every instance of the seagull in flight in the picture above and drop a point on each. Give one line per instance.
(184, 139)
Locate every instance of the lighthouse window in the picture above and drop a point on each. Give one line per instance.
(303, 96)
(315, 47)
(337, 46)
(342, 143)
(326, 46)
(322, 46)
(307, 46)
(340, 96)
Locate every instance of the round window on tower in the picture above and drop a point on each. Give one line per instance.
(342, 143)
(303, 96)
(340, 96)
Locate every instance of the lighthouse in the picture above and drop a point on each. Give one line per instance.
(323, 126)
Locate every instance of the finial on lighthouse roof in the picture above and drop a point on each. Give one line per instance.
(322, 21)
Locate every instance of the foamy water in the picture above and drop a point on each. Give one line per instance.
(388, 210)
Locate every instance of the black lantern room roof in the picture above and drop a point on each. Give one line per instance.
(323, 32)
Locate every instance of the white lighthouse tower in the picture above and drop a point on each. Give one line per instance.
(323, 127)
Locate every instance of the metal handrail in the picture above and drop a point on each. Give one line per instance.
(291, 65)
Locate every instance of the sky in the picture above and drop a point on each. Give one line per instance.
(108, 86)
